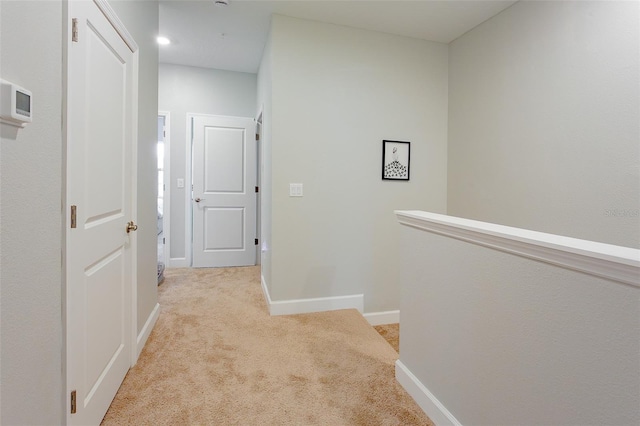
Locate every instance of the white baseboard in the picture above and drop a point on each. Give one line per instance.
(265, 292)
(423, 397)
(178, 262)
(146, 330)
(320, 304)
(382, 318)
(306, 306)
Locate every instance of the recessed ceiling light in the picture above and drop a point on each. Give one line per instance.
(163, 40)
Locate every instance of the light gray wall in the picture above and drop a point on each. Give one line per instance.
(185, 90)
(544, 103)
(265, 97)
(141, 19)
(337, 93)
(503, 340)
(31, 219)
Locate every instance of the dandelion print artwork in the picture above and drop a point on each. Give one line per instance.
(395, 160)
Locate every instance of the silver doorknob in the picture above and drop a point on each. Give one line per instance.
(197, 200)
(131, 227)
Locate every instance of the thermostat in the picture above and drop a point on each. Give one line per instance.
(15, 104)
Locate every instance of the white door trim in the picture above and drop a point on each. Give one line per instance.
(166, 208)
(259, 165)
(188, 182)
(134, 208)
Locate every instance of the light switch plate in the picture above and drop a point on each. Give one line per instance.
(180, 183)
(295, 190)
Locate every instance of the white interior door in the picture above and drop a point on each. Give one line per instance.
(100, 257)
(224, 198)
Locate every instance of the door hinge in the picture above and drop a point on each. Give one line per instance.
(257, 189)
(257, 136)
(74, 405)
(74, 222)
(256, 240)
(163, 241)
(74, 30)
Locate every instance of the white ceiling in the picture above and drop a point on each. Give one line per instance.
(233, 37)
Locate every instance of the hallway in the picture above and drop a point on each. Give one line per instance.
(217, 357)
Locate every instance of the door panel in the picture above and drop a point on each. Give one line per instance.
(224, 160)
(224, 207)
(106, 82)
(99, 254)
(224, 228)
(104, 328)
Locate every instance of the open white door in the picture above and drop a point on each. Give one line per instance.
(100, 253)
(224, 198)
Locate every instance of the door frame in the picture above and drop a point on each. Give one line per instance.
(117, 24)
(260, 162)
(188, 232)
(166, 207)
(188, 192)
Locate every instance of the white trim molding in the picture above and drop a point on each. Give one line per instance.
(382, 318)
(433, 408)
(178, 262)
(188, 181)
(265, 292)
(320, 304)
(306, 306)
(166, 197)
(615, 263)
(117, 24)
(146, 330)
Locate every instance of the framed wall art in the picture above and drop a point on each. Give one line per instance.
(395, 160)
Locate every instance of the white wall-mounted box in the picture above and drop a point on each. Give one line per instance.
(15, 104)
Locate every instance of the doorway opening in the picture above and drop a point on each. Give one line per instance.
(161, 149)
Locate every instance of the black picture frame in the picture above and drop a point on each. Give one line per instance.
(396, 160)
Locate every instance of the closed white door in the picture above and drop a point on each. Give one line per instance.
(224, 198)
(100, 257)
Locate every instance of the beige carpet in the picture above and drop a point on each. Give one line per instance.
(391, 333)
(216, 357)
